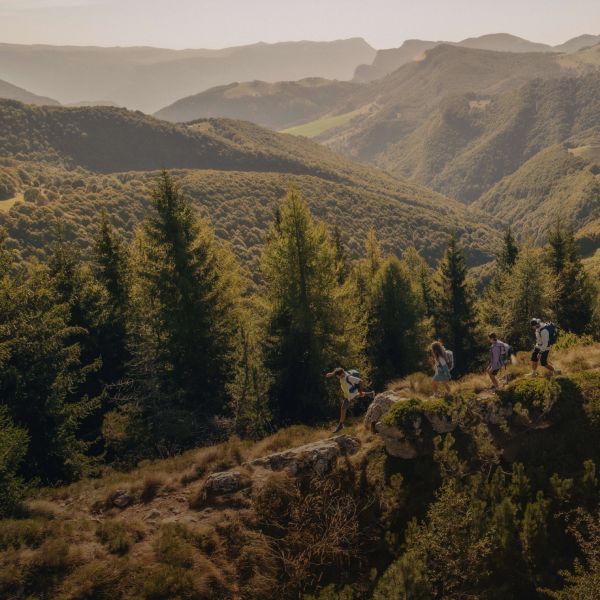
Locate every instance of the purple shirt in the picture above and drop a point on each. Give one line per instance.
(496, 355)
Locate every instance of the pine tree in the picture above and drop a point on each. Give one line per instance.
(311, 324)
(509, 253)
(526, 294)
(341, 255)
(455, 317)
(573, 298)
(111, 270)
(421, 277)
(396, 330)
(186, 296)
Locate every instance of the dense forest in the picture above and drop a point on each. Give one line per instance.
(152, 346)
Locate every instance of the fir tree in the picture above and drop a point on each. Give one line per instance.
(341, 255)
(509, 253)
(455, 317)
(573, 298)
(186, 296)
(396, 333)
(311, 324)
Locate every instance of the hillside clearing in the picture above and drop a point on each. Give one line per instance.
(319, 126)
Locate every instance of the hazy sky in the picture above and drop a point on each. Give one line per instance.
(219, 23)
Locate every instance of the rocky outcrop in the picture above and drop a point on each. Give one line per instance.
(225, 482)
(379, 407)
(318, 457)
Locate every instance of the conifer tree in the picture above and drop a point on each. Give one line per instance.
(509, 253)
(40, 372)
(455, 317)
(573, 298)
(526, 294)
(311, 323)
(111, 270)
(396, 338)
(421, 276)
(186, 296)
(341, 255)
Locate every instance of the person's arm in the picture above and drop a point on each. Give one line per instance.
(330, 375)
(361, 388)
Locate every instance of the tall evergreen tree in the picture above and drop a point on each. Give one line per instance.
(509, 253)
(526, 294)
(186, 296)
(341, 255)
(111, 270)
(396, 338)
(311, 323)
(455, 317)
(422, 278)
(573, 298)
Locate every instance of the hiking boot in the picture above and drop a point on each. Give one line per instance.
(532, 374)
(557, 372)
(339, 428)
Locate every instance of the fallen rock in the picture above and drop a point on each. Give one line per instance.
(121, 499)
(380, 405)
(318, 457)
(225, 482)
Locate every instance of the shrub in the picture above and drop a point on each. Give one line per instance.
(536, 396)
(117, 536)
(404, 413)
(569, 340)
(172, 547)
(150, 488)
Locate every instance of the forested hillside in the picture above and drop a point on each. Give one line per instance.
(275, 105)
(236, 174)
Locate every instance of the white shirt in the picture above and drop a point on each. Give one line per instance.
(542, 338)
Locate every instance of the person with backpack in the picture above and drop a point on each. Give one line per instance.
(500, 355)
(546, 335)
(443, 363)
(352, 385)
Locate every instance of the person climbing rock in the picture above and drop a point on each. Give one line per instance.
(546, 335)
(352, 385)
(443, 363)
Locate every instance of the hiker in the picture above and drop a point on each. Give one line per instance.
(546, 335)
(500, 354)
(443, 362)
(352, 385)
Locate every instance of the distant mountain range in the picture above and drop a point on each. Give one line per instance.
(387, 61)
(12, 92)
(151, 78)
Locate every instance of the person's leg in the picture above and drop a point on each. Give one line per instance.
(493, 379)
(343, 411)
(545, 362)
(534, 361)
(447, 386)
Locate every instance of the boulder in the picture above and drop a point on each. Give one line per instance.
(225, 482)
(121, 499)
(318, 457)
(380, 405)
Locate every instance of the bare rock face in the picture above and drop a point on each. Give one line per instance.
(380, 405)
(222, 483)
(396, 442)
(318, 457)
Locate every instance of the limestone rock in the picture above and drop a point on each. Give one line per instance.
(225, 482)
(396, 442)
(121, 499)
(318, 457)
(380, 405)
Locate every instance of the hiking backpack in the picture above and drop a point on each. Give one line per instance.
(506, 351)
(353, 387)
(449, 359)
(553, 332)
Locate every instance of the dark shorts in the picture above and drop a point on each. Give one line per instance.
(540, 356)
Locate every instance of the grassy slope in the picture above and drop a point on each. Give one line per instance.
(171, 540)
(319, 126)
(276, 105)
(235, 171)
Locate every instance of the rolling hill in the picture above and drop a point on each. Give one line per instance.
(560, 183)
(396, 105)
(71, 162)
(9, 91)
(151, 78)
(388, 60)
(274, 105)
(471, 141)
